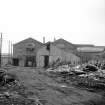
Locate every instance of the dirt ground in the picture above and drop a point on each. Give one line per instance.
(48, 91)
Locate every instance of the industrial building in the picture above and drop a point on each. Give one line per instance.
(33, 53)
(24, 52)
(51, 53)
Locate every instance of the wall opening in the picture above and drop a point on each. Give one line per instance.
(46, 61)
(30, 61)
(15, 61)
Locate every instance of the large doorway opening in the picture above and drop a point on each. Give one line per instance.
(46, 61)
(30, 61)
(15, 61)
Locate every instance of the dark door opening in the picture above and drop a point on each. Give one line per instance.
(30, 61)
(46, 61)
(15, 61)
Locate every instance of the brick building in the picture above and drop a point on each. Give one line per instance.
(30, 52)
(33, 53)
(24, 52)
(51, 53)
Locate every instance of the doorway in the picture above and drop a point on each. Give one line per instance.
(30, 61)
(46, 61)
(15, 61)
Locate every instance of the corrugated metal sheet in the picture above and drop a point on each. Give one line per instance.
(90, 49)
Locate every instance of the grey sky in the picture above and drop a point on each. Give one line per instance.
(78, 21)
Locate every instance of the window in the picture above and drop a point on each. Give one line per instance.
(30, 47)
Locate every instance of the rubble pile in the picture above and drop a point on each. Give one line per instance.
(12, 92)
(88, 75)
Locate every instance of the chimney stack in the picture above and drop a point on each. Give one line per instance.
(44, 39)
(54, 39)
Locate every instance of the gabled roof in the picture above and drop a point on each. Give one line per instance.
(63, 44)
(61, 40)
(28, 39)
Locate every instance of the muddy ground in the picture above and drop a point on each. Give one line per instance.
(44, 88)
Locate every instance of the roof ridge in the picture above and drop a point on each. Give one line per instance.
(28, 39)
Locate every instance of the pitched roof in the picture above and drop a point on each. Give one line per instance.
(25, 40)
(61, 40)
(63, 44)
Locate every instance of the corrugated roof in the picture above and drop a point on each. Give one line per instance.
(84, 45)
(90, 49)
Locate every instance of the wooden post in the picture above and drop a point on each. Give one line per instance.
(9, 52)
(0, 50)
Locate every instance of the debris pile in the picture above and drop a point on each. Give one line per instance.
(37, 88)
(12, 92)
(89, 75)
(7, 79)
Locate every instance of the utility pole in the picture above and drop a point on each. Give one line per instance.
(0, 49)
(11, 48)
(9, 51)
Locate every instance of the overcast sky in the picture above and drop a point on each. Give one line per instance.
(78, 21)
